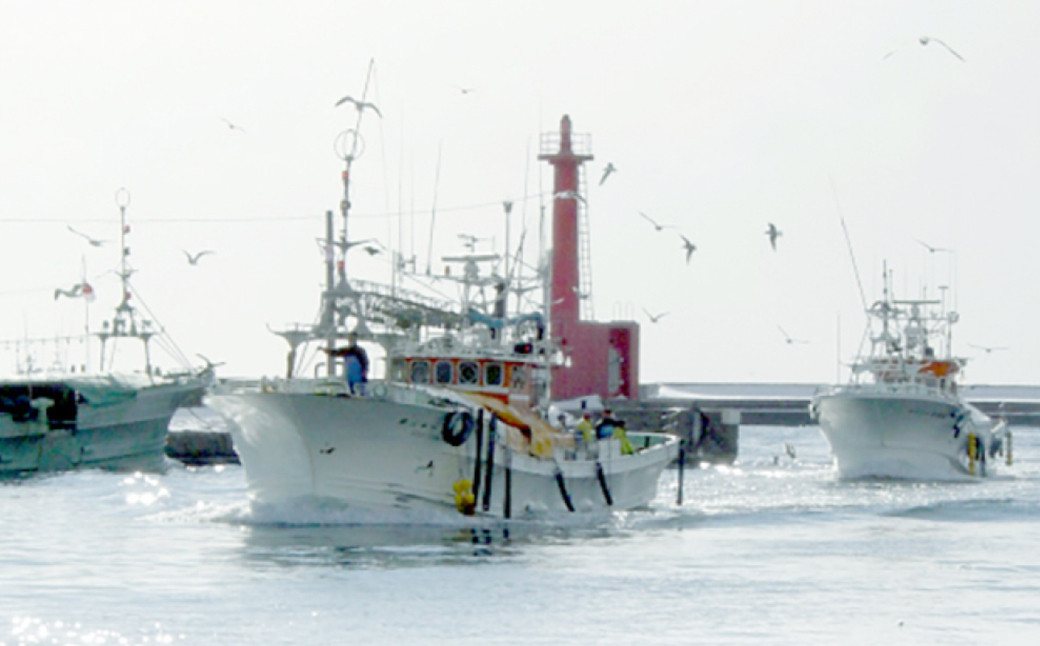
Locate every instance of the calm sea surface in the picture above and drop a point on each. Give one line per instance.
(769, 551)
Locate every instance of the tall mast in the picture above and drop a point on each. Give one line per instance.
(124, 323)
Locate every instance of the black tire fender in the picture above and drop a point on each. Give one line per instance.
(457, 427)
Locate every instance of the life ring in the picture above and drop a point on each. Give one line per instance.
(457, 427)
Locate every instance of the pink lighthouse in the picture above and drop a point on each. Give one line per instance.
(600, 358)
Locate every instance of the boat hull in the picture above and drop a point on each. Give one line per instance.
(875, 434)
(378, 453)
(127, 431)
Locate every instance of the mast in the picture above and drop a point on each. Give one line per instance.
(124, 323)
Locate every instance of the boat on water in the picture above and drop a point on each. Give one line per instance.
(901, 415)
(59, 419)
(459, 422)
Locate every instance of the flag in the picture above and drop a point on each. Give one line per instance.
(78, 290)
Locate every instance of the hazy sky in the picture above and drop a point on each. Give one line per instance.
(720, 117)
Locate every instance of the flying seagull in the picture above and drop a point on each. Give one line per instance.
(988, 349)
(346, 246)
(788, 338)
(232, 126)
(773, 234)
(464, 90)
(926, 39)
(657, 226)
(929, 247)
(688, 246)
(606, 173)
(360, 105)
(193, 259)
(654, 318)
(93, 241)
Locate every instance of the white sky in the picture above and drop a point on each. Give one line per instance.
(720, 118)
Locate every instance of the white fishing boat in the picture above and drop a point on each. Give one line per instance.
(457, 423)
(57, 418)
(901, 415)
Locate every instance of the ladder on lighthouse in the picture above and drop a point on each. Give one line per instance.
(586, 310)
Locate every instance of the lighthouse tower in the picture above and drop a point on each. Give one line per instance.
(600, 358)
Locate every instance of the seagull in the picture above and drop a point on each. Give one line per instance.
(788, 338)
(606, 173)
(568, 195)
(773, 234)
(688, 246)
(925, 40)
(372, 250)
(988, 349)
(657, 226)
(360, 105)
(345, 246)
(929, 247)
(93, 241)
(789, 450)
(654, 318)
(464, 90)
(232, 126)
(193, 259)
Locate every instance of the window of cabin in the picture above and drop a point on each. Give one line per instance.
(493, 374)
(398, 370)
(443, 372)
(469, 372)
(519, 378)
(420, 372)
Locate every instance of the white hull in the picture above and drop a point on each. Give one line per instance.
(388, 453)
(126, 429)
(911, 433)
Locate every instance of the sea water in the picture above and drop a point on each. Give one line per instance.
(770, 550)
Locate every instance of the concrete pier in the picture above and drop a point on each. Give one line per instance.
(201, 447)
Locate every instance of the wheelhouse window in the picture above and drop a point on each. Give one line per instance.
(518, 377)
(493, 374)
(443, 372)
(469, 373)
(420, 373)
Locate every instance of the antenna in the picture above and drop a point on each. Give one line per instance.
(848, 243)
(433, 211)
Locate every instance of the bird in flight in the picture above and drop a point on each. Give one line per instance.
(688, 246)
(929, 247)
(232, 126)
(193, 259)
(788, 338)
(654, 318)
(988, 349)
(657, 226)
(345, 246)
(360, 105)
(606, 173)
(94, 242)
(926, 39)
(464, 90)
(568, 195)
(773, 234)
